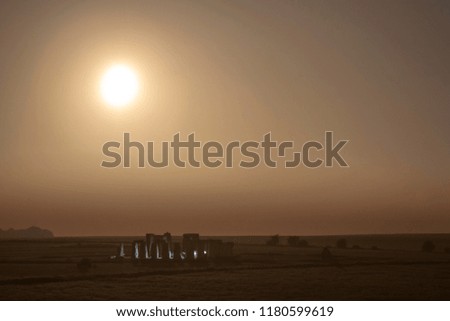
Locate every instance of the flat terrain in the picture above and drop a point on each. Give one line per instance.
(390, 267)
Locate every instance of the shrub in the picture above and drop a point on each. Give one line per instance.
(447, 250)
(274, 240)
(375, 248)
(341, 244)
(428, 246)
(84, 265)
(356, 247)
(326, 255)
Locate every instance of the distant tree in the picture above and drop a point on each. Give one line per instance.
(274, 240)
(428, 246)
(375, 248)
(293, 240)
(303, 243)
(356, 247)
(341, 244)
(447, 250)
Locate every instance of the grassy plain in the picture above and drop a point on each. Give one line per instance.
(373, 267)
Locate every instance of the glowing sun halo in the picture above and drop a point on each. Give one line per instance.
(119, 86)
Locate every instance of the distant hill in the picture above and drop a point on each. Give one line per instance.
(29, 233)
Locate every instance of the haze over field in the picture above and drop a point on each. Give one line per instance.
(374, 72)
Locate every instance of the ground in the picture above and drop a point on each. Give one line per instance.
(378, 268)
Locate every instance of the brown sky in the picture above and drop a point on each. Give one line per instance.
(374, 72)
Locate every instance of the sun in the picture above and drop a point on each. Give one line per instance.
(119, 86)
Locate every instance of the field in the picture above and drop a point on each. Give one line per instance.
(372, 267)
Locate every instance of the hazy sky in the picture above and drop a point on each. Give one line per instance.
(374, 72)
